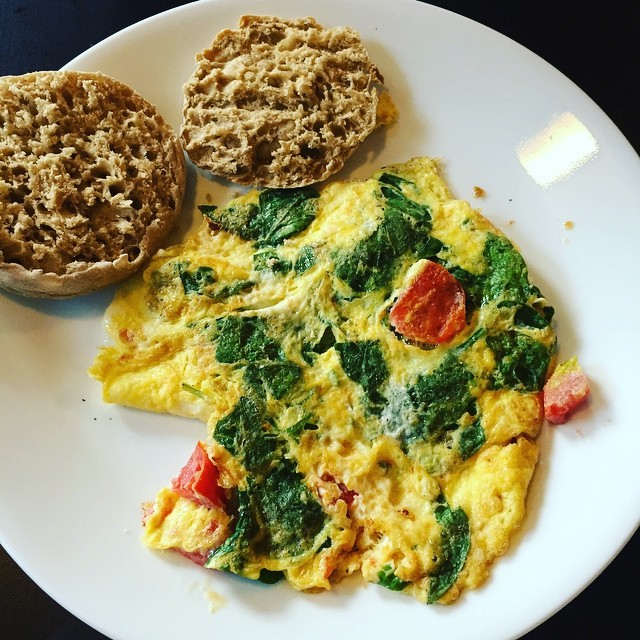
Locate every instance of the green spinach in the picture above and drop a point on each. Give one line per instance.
(279, 214)
(276, 377)
(232, 554)
(387, 578)
(197, 280)
(283, 213)
(225, 291)
(455, 541)
(364, 363)
(278, 519)
(526, 316)
(521, 361)
(277, 515)
(395, 199)
(291, 516)
(244, 338)
(270, 260)
(201, 281)
(234, 218)
(440, 398)
(506, 276)
(471, 439)
(404, 228)
(305, 423)
(311, 349)
(246, 436)
(305, 260)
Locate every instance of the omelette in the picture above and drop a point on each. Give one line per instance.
(368, 358)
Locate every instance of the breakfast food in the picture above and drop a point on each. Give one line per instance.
(91, 181)
(565, 391)
(369, 359)
(281, 103)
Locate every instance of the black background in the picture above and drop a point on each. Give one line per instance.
(596, 45)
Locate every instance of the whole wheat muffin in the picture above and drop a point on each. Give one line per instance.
(91, 181)
(281, 103)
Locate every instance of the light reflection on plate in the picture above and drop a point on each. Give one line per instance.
(558, 150)
(75, 471)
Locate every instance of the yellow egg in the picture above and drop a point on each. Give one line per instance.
(343, 443)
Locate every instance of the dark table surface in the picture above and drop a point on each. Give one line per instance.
(597, 45)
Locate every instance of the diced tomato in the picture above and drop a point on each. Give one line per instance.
(565, 391)
(199, 557)
(432, 308)
(198, 480)
(346, 494)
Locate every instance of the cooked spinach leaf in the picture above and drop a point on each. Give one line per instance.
(364, 363)
(202, 281)
(404, 228)
(291, 515)
(505, 279)
(244, 338)
(278, 519)
(427, 247)
(234, 218)
(270, 260)
(440, 398)
(305, 260)
(473, 288)
(526, 316)
(279, 214)
(455, 541)
(394, 181)
(311, 349)
(196, 280)
(387, 578)
(521, 361)
(277, 377)
(283, 213)
(270, 577)
(222, 292)
(471, 439)
(305, 423)
(232, 554)
(506, 276)
(546, 310)
(371, 264)
(470, 341)
(246, 436)
(396, 200)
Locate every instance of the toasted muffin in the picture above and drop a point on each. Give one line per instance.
(281, 103)
(92, 179)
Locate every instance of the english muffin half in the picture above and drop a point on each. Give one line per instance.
(281, 103)
(92, 179)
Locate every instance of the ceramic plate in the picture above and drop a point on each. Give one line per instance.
(559, 179)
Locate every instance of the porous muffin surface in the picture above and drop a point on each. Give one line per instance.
(279, 103)
(91, 180)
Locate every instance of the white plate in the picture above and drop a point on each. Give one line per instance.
(75, 470)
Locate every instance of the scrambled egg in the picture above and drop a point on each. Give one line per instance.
(340, 445)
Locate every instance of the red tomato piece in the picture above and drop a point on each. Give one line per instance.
(198, 480)
(199, 557)
(346, 494)
(432, 308)
(565, 391)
